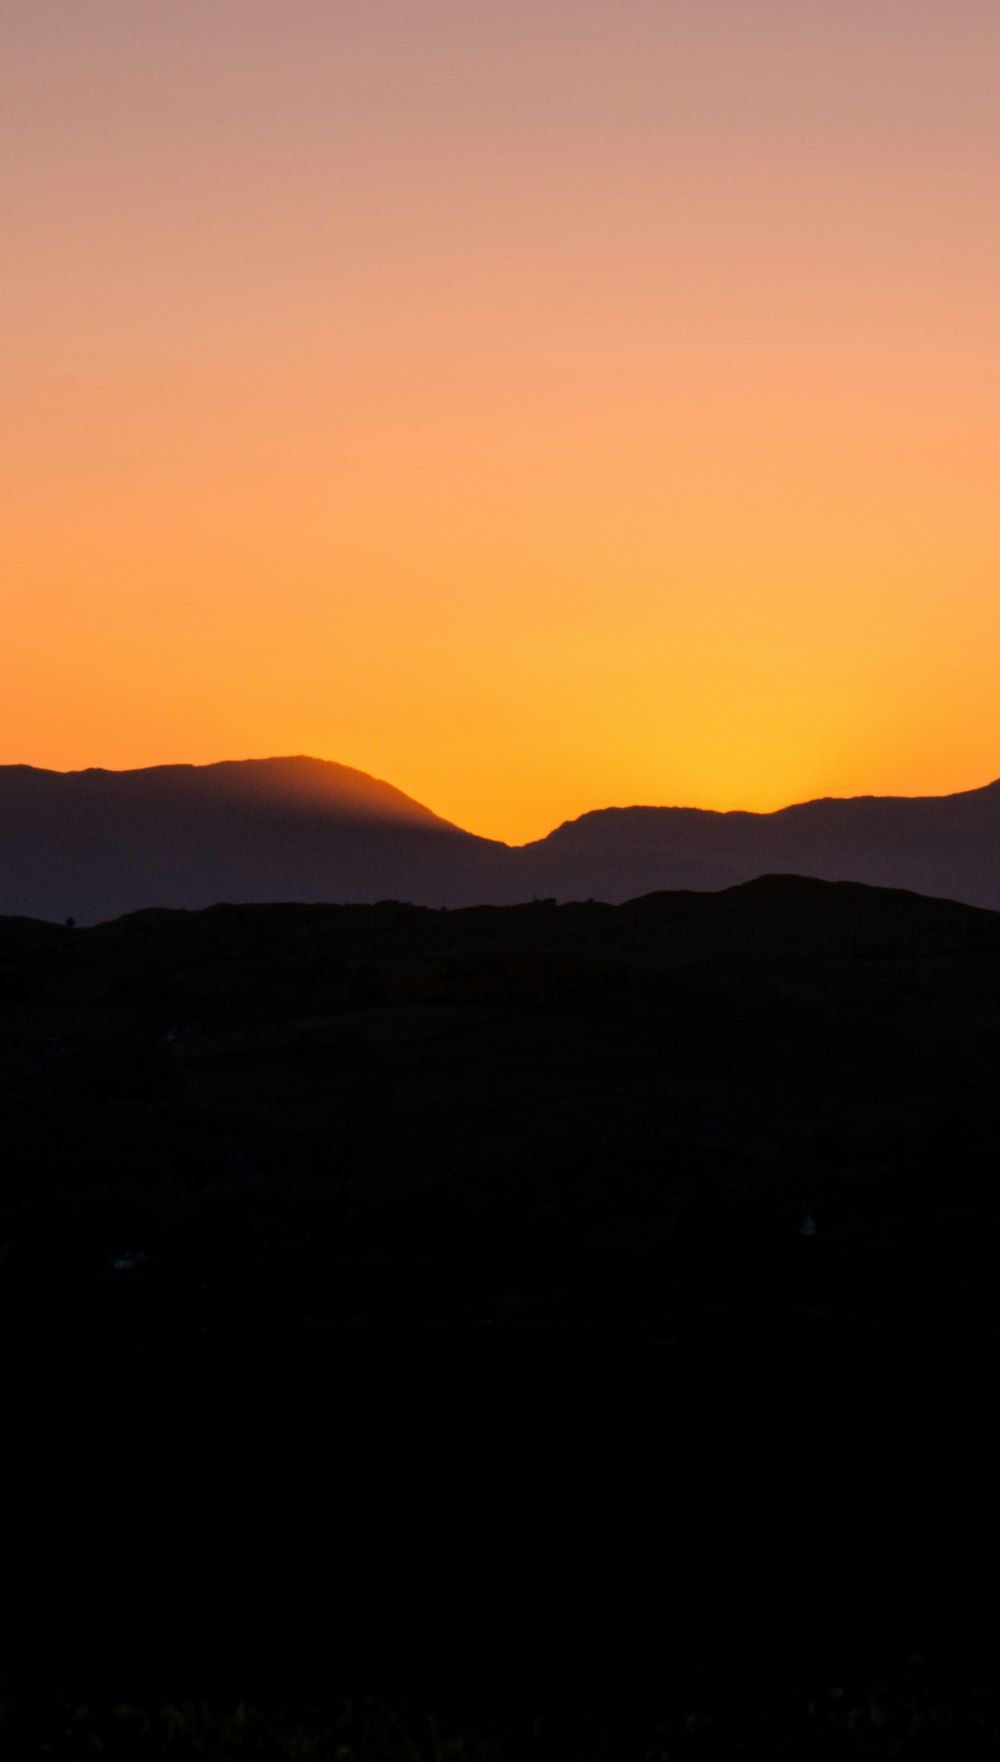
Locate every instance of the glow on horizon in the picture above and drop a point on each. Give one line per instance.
(541, 407)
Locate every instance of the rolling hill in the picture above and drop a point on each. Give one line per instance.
(95, 844)
(947, 846)
(452, 1263)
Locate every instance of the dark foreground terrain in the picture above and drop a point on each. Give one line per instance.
(417, 1303)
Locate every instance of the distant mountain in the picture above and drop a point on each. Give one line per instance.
(947, 846)
(95, 844)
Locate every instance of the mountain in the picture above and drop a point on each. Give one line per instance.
(95, 844)
(947, 846)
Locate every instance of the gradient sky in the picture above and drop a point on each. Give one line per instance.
(538, 403)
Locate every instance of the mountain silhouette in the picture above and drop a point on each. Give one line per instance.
(95, 844)
(947, 846)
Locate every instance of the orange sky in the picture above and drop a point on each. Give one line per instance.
(538, 403)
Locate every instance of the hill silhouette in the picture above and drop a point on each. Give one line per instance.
(96, 844)
(429, 1288)
(945, 846)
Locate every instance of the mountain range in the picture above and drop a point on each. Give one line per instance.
(96, 844)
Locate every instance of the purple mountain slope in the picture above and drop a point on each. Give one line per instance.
(95, 844)
(948, 846)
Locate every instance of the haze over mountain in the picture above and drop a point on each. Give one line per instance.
(95, 844)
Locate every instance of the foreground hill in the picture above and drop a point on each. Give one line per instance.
(401, 1289)
(95, 844)
(786, 1031)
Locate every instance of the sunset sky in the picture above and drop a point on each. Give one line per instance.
(540, 404)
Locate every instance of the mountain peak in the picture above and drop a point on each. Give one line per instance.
(294, 784)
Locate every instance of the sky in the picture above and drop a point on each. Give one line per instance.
(540, 404)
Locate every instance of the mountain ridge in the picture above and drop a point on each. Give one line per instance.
(732, 814)
(294, 770)
(96, 843)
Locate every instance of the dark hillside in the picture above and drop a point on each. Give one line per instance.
(448, 1268)
(945, 846)
(93, 845)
